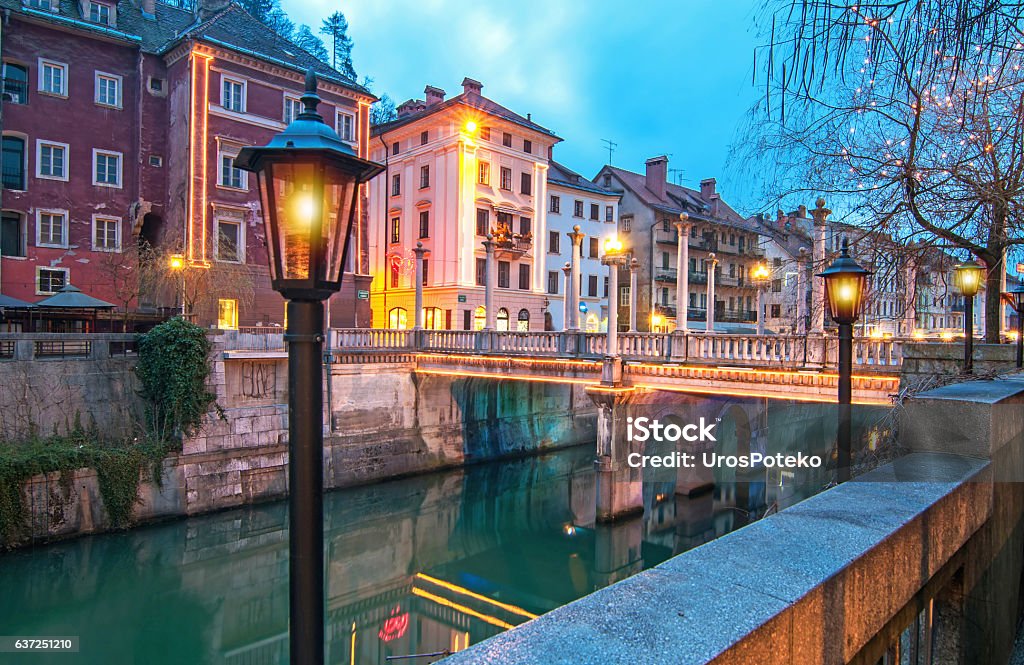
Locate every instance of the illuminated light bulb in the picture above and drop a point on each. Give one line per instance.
(470, 127)
(846, 292)
(304, 210)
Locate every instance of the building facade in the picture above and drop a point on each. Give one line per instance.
(648, 212)
(574, 201)
(458, 170)
(121, 122)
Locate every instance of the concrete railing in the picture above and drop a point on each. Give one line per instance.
(84, 346)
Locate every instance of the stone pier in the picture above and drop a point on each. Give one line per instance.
(619, 486)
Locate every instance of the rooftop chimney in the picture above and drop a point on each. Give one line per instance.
(657, 175)
(434, 95)
(410, 106)
(207, 8)
(469, 86)
(707, 188)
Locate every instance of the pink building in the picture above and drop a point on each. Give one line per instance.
(459, 169)
(121, 122)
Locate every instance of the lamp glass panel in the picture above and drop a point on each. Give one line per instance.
(968, 280)
(268, 225)
(845, 293)
(339, 204)
(298, 214)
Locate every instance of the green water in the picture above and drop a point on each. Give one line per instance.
(415, 566)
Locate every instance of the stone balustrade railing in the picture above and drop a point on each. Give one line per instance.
(81, 346)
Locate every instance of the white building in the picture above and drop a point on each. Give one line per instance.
(575, 201)
(456, 171)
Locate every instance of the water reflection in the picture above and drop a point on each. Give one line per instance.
(417, 566)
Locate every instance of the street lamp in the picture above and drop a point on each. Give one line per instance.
(309, 185)
(1015, 298)
(845, 281)
(177, 264)
(760, 275)
(613, 258)
(967, 277)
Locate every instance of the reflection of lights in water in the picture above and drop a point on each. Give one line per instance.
(569, 530)
(394, 626)
(659, 497)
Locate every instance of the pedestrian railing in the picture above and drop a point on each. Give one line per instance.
(72, 346)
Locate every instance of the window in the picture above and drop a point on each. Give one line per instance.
(664, 261)
(52, 228)
(396, 230)
(525, 226)
(593, 248)
(502, 322)
(230, 238)
(99, 13)
(398, 318)
(396, 184)
(232, 95)
(776, 286)
(556, 203)
(53, 78)
(624, 296)
(577, 208)
(394, 148)
(292, 109)
(346, 125)
(424, 223)
(106, 168)
(51, 160)
(423, 138)
(483, 221)
(394, 274)
(553, 240)
(626, 224)
(479, 317)
(12, 234)
(483, 173)
(230, 175)
(15, 84)
(553, 282)
(505, 221)
(595, 210)
(732, 239)
(424, 176)
(524, 277)
(227, 314)
(605, 290)
(108, 90)
(592, 286)
(526, 183)
(39, 4)
(776, 311)
(485, 133)
(504, 274)
(527, 146)
(434, 318)
(106, 234)
(156, 85)
(506, 178)
(156, 160)
(13, 162)
(481, 272)
(609, 214)
(523, 321)
(506, 140)
(50, 280)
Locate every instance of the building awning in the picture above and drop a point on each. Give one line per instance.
(71, 297)
(7, 302)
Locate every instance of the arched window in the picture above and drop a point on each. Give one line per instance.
(433, 318)
(398, 318)
(479, 318)
(593, 324)
(523, 321)
(15, 78)
(13, 162)
(502, 323)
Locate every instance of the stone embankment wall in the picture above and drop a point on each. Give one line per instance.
(927, 360)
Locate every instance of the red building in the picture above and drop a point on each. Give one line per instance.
(121, 121)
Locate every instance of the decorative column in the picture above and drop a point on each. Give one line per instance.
(489, 278)
(419, 251)
(801, 291)
(760, 310)
(711, 263)
(567, 301)
(910, 294)
(820, 214)
(683, 272)
(577, 256)
(634, 268)
(613, 259)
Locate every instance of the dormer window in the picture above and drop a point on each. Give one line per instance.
(39, 4)
(99, 13)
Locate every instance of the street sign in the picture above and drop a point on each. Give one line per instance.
(362, 295)
(583, 307)
(462, 298)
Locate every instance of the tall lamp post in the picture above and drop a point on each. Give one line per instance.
(967, 277)
(1015, 298)
(613, 258)
(177, 264)
(760, 275)
(309, 187)
(845, 280)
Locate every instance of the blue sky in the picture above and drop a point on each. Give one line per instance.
(656, 77)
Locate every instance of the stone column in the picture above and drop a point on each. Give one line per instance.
(419, 251)
(760, 309)
(711, 263)
(577, 256)
(820, 215)
(619, 487)
(567, 301)
(634, 267)
(801, 291)
(910, 294)
(489, 279)
(613, 260)
(683, 272)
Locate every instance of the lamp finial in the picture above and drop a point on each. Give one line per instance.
(310, 99)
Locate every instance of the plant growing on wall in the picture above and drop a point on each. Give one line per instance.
(173, 368)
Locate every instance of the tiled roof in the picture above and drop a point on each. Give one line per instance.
(679, 199)
(231, 28)
(562, 175)
(473, 101)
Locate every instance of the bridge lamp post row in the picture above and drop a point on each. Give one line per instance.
(967, 278)
(761, 276)
(309, 187)
(1015, 298)
(845, 282)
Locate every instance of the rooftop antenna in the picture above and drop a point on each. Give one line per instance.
(677, 175)
(610, 146)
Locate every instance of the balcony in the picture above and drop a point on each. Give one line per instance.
(665, 275)
(511, 245)
(15, 91)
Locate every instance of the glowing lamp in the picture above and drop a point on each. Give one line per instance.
(1015, 298)
(309, 183)
(471, 127)
(177, 262)
(760, 273)
(967, 277)
(657, 320)
(845, 282)
(612, 245)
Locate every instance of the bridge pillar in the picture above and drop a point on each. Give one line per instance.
(619, 486)
(618, 551)
(577, 256)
